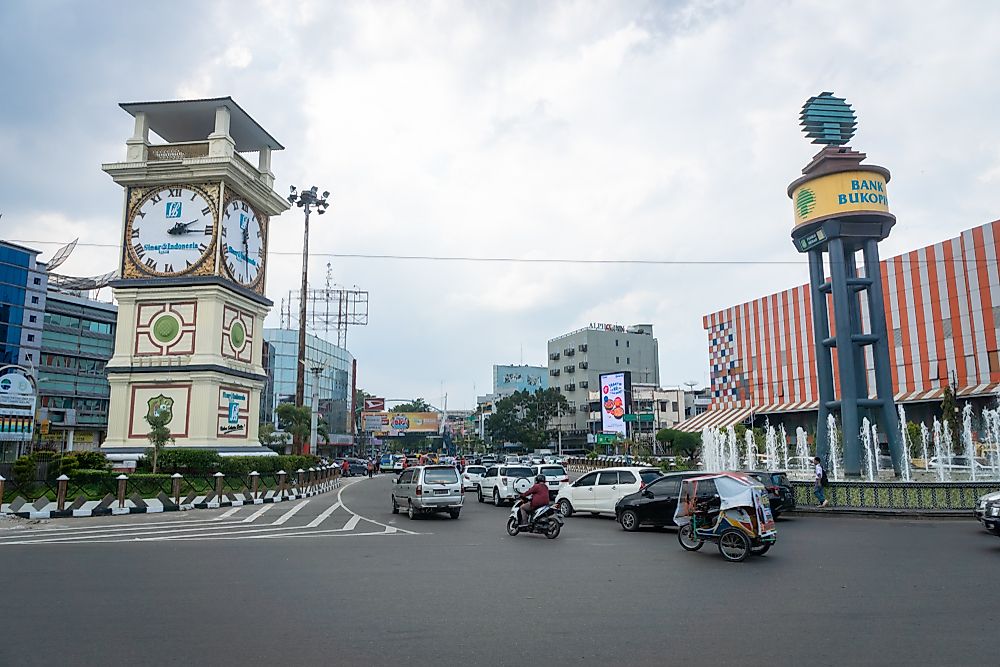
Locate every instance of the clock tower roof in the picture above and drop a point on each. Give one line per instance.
(179, 121)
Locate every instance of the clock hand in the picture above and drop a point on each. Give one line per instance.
(181, 227)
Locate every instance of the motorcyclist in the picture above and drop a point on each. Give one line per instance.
(539, 497)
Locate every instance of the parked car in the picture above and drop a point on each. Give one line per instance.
(504, 483)
(397, 463)
(979, 511)
(654, 504)
(357, 467)
(961, 463)
(555, 476)
(991, 516)
(598, 492)
(424, 489)
(472, 477)
(780, 493)
(488, 460)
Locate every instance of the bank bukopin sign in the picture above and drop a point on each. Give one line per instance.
(841, 193)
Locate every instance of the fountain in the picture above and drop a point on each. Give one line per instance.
(771, 447)
(991, 424)
(709, 450)
(949, 448)
(866, 445)
(968, 446)
(831, 429)
(939, 449)
(904, 437)
(802, 447)
(925, 436)
(751, 450)
(784, 445)
(733, 449)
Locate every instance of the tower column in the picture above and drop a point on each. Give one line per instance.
(845, 358)
(824, 363)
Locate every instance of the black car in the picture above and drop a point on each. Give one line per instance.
(991, 517)
(653, 504)
(780, 493)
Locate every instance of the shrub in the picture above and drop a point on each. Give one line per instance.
(90, 476)
(91, 460)
(24, 470)
(185, 461)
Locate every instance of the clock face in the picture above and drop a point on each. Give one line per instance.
(242, 242)
(171, 230)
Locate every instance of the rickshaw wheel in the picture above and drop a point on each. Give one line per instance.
(734, 546)
(761, 550)
(687, 538)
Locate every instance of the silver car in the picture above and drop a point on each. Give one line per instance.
(424, 489)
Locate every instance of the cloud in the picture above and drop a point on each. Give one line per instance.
(573, 130)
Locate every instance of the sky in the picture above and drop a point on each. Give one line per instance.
(581, 131)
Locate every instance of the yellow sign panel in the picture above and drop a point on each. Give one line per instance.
(840, 193)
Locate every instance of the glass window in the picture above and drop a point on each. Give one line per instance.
(608, 479)
(666, 487)
(516, 471)
(587, 480)
(441, 475)
(626, 477)
(649, 475)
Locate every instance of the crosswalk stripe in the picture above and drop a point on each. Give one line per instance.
(231, 512)
(290, 513)
(92, 528)
(253, 517)
(324, 515)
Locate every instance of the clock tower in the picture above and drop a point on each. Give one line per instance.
(192, 267)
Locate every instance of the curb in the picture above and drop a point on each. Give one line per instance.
(871, 512)
(116, 511)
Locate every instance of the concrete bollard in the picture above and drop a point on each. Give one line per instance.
(218, 485)
(299, 475)
(175, 487)
(254, 483)
(312, 478)
(2, 480)
(62, 482)
(281, 483)
(122, 479)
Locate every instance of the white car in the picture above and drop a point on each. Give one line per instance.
(598, 492)
(555, 476)
(397, 463)
(954, 463)
(980, 507)
(504, 483)
(472, 477)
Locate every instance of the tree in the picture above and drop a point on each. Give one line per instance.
(159, 434)
(525, 417)
(298, 422)
(270, 437)
(681, 443)
(416, 405)
(950, 412)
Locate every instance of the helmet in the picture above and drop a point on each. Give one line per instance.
(540, 478)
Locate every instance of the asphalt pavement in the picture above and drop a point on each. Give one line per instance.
(342, 579)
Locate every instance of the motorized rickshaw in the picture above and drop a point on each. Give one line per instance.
(730, 509)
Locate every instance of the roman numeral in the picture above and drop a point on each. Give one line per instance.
(208, 230)
(174, 192)
(141, 213)
(151, 263)
(202, 247)
(223, 231)
(169, 268)
(135, 233)
(259, 234)
(189, 265)
(206, 211)
(139, 250)
(243, 205)
(230, 267)
(260, 253)
(193, 195)
(155, 198)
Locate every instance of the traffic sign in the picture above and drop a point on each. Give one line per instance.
(646, 417)
(630, 418)
(606, 438)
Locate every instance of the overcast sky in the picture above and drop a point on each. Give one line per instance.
(619, 130)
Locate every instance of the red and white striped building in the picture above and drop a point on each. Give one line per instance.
(944, 303)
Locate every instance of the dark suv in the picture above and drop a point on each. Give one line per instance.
(654, 504)
(780, 493)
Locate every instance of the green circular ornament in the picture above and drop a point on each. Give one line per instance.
(237, 335)
(166, 328)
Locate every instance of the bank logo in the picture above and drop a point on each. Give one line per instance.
(174, 209)
(234, 412)
(161, 406)
(805, 202)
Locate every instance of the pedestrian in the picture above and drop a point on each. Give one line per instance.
(371, 469)
(821, 480)
(345, 468)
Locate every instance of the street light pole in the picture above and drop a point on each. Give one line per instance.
(314, 416)
(306, 200)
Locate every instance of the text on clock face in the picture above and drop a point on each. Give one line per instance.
(242, 241)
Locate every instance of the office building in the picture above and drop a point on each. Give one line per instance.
(23, 282)
(943, 313)
(577, 359)
(335, 380)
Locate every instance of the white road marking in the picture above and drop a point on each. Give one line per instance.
(231, 512)
(253, 517)
(122, 526)
(290, 513)
(324, 515)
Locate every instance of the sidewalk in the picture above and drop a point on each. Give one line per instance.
(885, 513)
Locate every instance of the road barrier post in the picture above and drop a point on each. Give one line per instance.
(2, 480)
(63, 481)
(175, 487)
(281, 483)
(218, 484)
(122, 479)
(254, 484)
(299, 474)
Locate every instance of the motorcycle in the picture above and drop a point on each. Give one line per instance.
(545, 521)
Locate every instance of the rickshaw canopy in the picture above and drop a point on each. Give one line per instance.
(734, 490)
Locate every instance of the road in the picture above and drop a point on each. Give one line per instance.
(340, 578)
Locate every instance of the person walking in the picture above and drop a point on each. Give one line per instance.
(371, 469)
(820, 482)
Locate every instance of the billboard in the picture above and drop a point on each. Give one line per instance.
(373, 404)
(508, 379)
(615, 390)
(400, 423)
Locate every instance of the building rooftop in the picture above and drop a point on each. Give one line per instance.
(180, 121)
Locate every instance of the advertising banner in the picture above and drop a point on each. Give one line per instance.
(845, 192)
(374, 404)
(17, 407)
(400, 423)
(508, 379)
(614, 402)
(377, 422)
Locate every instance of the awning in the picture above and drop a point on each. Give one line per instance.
(778, 408)
(714, 419)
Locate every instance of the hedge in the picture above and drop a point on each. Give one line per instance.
(208, 462)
